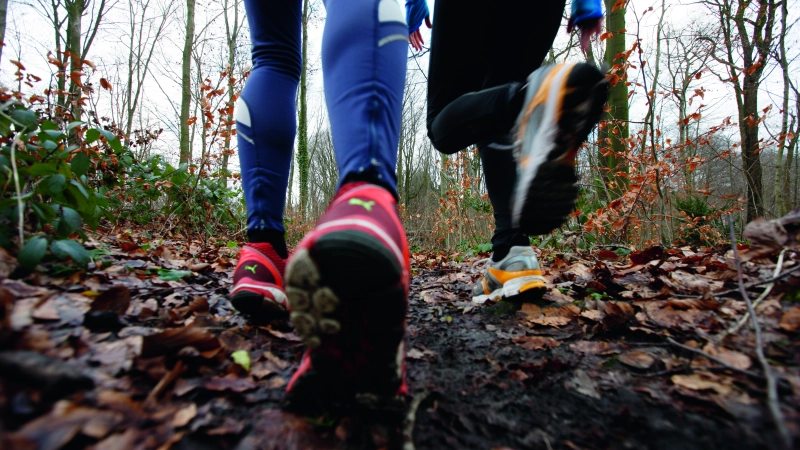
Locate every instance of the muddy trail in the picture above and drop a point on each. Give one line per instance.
(648, 349)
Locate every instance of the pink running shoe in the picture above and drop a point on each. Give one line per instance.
(347, 284)
(258, 289)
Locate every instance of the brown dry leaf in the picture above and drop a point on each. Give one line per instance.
(553, 321)
(698, 382)
(280, 334)
(54, 430)
(791, 319)
(555, 296)
(117, 299)
(535, 342)
(47, 311)
(115, 357)
(616, 314)
(584, 384)
(592, 314)
(171, 341)
(184, 416)
(198, 266)
(608, 255)
(666, 316)
(531, 310)
(732, 357)
(416, 353)
(705, 303)
(230, 384)
(637, 359)
(569, 311)
(593, 348)
(646, 255)
(579, 273)
(694, 283)
(261, 370)
(8, 264)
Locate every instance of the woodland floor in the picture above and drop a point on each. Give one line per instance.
(135, 352)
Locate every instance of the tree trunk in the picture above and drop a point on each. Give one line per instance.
(3, 10)
(186, 84)
(231, 34)
(75, 10)
(781, 171)
(617, 130)
(302, 123)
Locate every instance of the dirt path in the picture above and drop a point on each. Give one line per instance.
(137, 353)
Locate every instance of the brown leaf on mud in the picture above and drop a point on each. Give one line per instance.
(692, 283)
(117, 299)
(732, 357)
(767, 236)
(171, 341)
(416, 353)
(579, 273)
(47, 311)
(706, 303)
(637, 359)
(700, 382)
(616, 314)
(607, 255)
(184, 416)
(115, 357)
(646, 255)
(54, 430)
(280, 334)
(232, 384)
(8, 264)
(594, 348)
(668, 317)
(584, 384)
(552, 321)
(791, 319)
(535, 342)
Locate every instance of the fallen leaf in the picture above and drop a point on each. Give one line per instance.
(593, 348)
(637, 359)
(171, 341)
(230, 384)
(646, 255)
(117, 299)
(280, 334)
(554, 321)
(242, 358)
(791, 319)
(584, 384)
(616, 314)
(535, 342)
(697, 382)
(732, 357)
(184, 416)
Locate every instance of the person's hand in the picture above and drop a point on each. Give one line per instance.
(587, 29)
(415, 38)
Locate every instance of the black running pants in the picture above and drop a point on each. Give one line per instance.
(481, 55)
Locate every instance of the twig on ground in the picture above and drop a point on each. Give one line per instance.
(162, 385)
(772, 386)
(761, 297)
(758, 283)
(411, 418)
(713, 358)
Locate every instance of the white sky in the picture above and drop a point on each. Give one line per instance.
(29, 36)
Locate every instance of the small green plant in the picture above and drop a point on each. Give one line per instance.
(46, 194)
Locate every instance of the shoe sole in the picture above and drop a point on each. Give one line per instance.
(550, 195)
(257, 307)
(347, 300)
(518, 289)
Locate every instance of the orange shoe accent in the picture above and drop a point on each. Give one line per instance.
(531, 285)
(541, 97)
(503, 276)
(485, 287)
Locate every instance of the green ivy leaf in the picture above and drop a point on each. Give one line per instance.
(69, 222)
(172, 275)
(92, 135)
(32, 253)
(68, 247)
(56, 184)
(80, 164)
(41, 169)
(24, 118)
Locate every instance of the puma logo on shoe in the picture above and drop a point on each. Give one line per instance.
(367, 205)
(251, 268)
